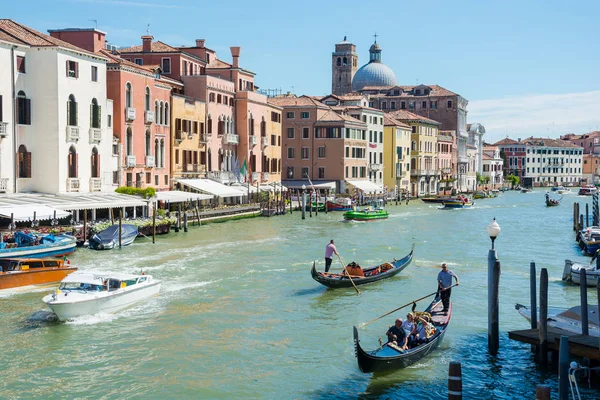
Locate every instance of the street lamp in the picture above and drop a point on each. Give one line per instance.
(493, 230)
(303, 201)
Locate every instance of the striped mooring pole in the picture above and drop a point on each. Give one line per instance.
(454, 381)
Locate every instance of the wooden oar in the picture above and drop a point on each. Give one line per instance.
(344, 265)
(399, 308)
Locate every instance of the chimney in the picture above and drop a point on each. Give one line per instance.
(200, 43)
(235, 54)
(147, 43)
(89, 39)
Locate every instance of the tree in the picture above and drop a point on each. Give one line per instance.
(514, 180)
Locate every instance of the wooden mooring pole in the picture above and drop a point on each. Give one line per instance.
(120, 227)
(563, 368)
(454, 381)
(587, 215)
(533, 300)
(542, 392)
(585, 329)
(84, 226)
(543, 351)
(495, 323)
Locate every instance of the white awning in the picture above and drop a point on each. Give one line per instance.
(243, 188)
(73, 201)
(177, 196)
(316, 184)
(211, 187)
(366, 186)
(26, 212)
(269, 187)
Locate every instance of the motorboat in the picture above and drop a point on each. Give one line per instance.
(587, 190)
(88, 293)
(436, 199)
(109, 238)
(459, 202)
(340, 204)
(572, 272)
(17, 272)
(30, 245)
(371, 212)
(589, 239)
(564, 190)
(567, 319)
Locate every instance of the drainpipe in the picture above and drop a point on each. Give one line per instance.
(14, 125)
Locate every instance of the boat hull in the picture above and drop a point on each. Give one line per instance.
(558, 319)
(332, 206)
(365, 216)
(106, 302)
(64, 245)
(436, 199)
(34, 277)
(572, 273)
(457, 204)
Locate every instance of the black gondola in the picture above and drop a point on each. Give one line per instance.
(387, 357)
(372, 274)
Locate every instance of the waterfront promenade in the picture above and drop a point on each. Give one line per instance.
(239, 315)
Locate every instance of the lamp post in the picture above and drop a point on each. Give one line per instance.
(493, 230)
(303, 201)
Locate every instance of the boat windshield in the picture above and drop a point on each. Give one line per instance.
(87, 287)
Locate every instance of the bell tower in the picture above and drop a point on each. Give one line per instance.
(344, 64)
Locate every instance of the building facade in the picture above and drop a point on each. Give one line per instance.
(591, 168)
(188, 138)
(552, 162)
(446, 145)
(396, 158)
(513, 154)
(590, 142)
(344, 64)
(492, 167)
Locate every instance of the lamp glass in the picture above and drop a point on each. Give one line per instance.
(303, 187)
(493, 229)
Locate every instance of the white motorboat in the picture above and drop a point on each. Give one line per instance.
(567, 319)
(87, 293)
(572, 273)
(564, 190)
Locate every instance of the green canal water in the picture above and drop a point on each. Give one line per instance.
(239, 316)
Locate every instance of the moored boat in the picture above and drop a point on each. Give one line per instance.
(28, 245)
(390, 357)
(373, 274)
(436, 199)
(572, 273)
(566, 319)
(109, 238)
(589, 239)
(19, 272)
(89, 293)
(340, 204)
(372, 212)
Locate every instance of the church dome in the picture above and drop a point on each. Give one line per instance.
(375, 73)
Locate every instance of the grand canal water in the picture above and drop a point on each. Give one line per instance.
(240, 317)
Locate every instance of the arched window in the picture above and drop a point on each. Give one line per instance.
(209, 125)
(167, 114)
(339, 62)
(218, 98)
(72, 159)
(128, 95)
(251, 125)
(156, 153)
(160, 113)
(129, 142)
(23, 109)
(413, 146)
(413, 164)
(72, 111)
(220, 127)
(95, 163)
(345, 61)
(162, 153)
(95, 113)
(155, 111)
(147, 98)
(263, 128)
(24, 159)
(148, 143)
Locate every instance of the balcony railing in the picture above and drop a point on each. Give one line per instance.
(252, 140)
(3, 129)
(230, 138)
(221, 176)
(95, 135)
(73, 184)
(255, 176)
(375, 167)
(463, 160)
(446, 171)
(95, 184)
(72, 133)
(265, 176)
(130, 162)
(130, 114)
(191, 167)
(149, 116)
(180, 135)
(264, 141)
(150, 161)
(424, 172)
(203, 138)
(3, 185)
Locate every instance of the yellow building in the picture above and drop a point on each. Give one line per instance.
(188, 137)
(396, 157)
(424, 175)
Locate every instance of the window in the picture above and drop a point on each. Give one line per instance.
(23, 109)
(305, 115)
(290, 172)
(414, 129)
(322, 152)
(305, 153)
(411, 105)
(21, 64)
(109, 120)
(289, 115)
(72, 112)
(383, 105)
(72, 69)
(24, 160)
(433, 105)
(290, 152)
(94, 74)
(393, 106)
(72, 161)
(147, 99)
(339, 62)
(148, 143)
(95, 114)
(304, 172)
(128, 95)
(166, 65)
(449, 104)
(290, 133)
(129, 142)
(321, 172)
(402, 105)
(95, 163)
(148, 177)
(305, 133)
(139, 61)
(424, 104)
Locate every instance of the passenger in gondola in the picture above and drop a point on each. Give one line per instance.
(410, 329)
(424, 330)
(397, 336)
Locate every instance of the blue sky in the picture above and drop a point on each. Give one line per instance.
(526, 67)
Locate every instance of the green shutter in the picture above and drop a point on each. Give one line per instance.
(91, 115)
(99, 118)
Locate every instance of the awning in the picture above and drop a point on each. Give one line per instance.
(270, 187)
(316, 184)
(366, 186)
(73, 201)
(177, 196)
(26, 212)
(243, 188)
(211, 187)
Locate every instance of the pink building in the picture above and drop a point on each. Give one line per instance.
(589, 141)
(446, 147)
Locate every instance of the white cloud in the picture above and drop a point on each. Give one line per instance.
(548, 115)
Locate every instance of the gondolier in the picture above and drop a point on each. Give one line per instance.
(330, 250)
(444, 285)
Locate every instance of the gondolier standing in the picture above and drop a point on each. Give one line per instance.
(330, 250)
(444, 285)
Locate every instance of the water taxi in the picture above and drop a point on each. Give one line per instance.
(372, 212)
(32, 271)
(587, 190)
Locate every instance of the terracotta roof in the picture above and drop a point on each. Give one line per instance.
(156, 47)
(389, 121)
(150, 69)
(505, 141)
(572, 136)
(332, 116)
(403, 115)
(486, 156)
(25, 35)
(547, 142)
(363, 108)
(216, 63)
(291, 101)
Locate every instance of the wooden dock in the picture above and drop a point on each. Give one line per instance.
(579, 345)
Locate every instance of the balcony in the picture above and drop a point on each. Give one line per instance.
(424, 172)
(130, 114)
(223, 177)
(446, 171)
(203, 138)
(95, 184)
(375, 167)
(252, 140)
(463, 160)
(255, 176)
(265, 176)
(130, 162)
(191, 167)
(3, 129)
(3, 185)
(264, 141)
(180, 135)
(95, 135)
(148, 116)
(230, 138)
(73, 185)
(72, 133)
(150, 161)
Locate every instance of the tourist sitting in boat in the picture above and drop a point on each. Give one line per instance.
(410, 329)
(424, 328)
(354, 270)
(385, 267)
(397, 336)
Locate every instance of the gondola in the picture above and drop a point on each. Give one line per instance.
(372, 274)
(387, 357)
